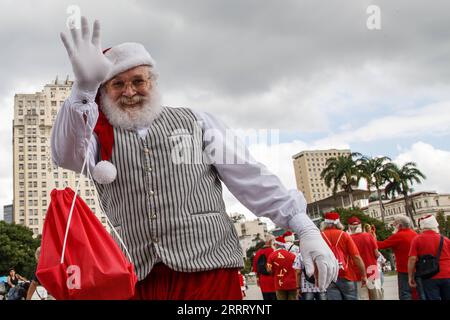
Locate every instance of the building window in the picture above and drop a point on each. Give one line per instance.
(437, 202)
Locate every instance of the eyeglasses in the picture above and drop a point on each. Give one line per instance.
(136, 84)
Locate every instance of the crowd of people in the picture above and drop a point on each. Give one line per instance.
(422, 262)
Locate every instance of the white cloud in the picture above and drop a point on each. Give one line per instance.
(433, 163)
(278, 159)
(431, 119)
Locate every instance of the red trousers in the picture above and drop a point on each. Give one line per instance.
(164, 283)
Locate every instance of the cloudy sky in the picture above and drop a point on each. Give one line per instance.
(310, 69)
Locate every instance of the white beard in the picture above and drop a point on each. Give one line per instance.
(132, 119)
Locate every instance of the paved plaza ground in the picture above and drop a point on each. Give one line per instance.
(390, 289)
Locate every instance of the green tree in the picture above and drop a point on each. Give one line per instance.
(447, 226)
(401, 182)
(17, 248)
(440, 217)
(342, 172)
(377, 172)
(248, 263)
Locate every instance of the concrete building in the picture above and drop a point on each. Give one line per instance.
(426, 202)
(248, 231)
(8, 213)
(307, 167)
(34, 173)
(341, 199)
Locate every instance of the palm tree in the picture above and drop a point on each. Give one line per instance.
(341, 172)
(401, 183)
(376, 171)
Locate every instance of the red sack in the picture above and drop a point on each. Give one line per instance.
(94, 267)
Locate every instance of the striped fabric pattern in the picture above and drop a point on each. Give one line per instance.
(166, 202)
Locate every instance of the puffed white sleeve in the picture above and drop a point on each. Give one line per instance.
(72, 131)
(250, 181)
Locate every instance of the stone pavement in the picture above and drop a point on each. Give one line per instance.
(390, 290)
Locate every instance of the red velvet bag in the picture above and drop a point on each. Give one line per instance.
(93, 267)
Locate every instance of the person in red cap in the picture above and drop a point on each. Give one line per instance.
(430, 242)
(345, 250)
(368, 250)
(265, 279)
(159, 170)
(280, 264)
(400, 243)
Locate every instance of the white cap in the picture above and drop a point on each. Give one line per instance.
(126, 56)
(428, 222)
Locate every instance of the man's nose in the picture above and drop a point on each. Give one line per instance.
(129, 91)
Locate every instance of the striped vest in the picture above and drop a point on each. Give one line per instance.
(165, 209)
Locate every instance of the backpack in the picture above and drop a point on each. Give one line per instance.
(338, 253)
(261, 265)
(427, 265)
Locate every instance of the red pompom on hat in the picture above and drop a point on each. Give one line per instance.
(332, 217)
(354, 221)
(124, 57)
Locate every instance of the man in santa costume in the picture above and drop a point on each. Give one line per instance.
(400, 243)
(265, 279)
(158, 171)
(368, 250)
(345, 288)
(280, 264)
(431, 242)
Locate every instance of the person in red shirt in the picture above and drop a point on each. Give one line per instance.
(368, 250)
(265, 280)
(242, 283)
(400, 243)
(285, 276)
(345, 287)
(427, 243)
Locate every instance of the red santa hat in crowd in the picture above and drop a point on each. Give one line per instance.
(288, 236)
(280, 241)
(428, 222)
(332, 217)
(354, 221)
(124, 56)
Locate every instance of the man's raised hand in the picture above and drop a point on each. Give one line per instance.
(89, 64)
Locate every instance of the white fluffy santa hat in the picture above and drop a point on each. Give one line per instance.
(124, 56)
(428, 222)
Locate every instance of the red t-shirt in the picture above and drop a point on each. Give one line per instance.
(266, 282)
(400, 243)
(428, 243)
(366, 245)
(284, 274)
(347, 246)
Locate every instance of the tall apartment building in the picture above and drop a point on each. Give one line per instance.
(35, 176)
(8, 213)
(307, 167)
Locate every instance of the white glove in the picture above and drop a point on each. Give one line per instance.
(89, 64)
(314, 250)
